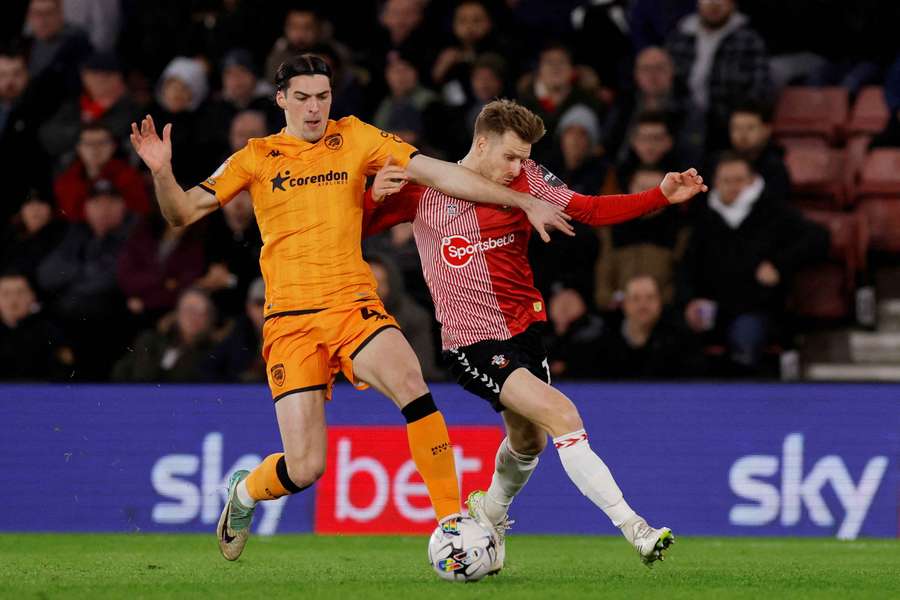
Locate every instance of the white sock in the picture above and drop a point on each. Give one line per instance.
(511, 473)
(592, 476)
(243, 494)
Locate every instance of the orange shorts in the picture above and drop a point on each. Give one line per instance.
(304, 352)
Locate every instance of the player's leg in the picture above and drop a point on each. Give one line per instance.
(551, 410)
(388, 363)
(301, 421)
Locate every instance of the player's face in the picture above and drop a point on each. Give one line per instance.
(501, 156)
(306, 104)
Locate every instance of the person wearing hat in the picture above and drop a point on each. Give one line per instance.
(242, 90)
(200, 137)
(104, 99)
(79, 277)
(238, 357)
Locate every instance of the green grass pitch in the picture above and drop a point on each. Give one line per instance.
(345, 568)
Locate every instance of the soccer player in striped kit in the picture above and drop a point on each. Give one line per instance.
(475, 262)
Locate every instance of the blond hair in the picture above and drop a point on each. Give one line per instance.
(500, 116)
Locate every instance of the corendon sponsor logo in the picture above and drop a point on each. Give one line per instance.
(372, 486)
(457, 250)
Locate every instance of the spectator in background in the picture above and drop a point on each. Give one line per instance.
(79, 278)
(650, 145)
(95, 159)
(750, 129)
(197, 141)
(243, 90)
(579, 138)
(573, 343)
(400, 28)
(157, 263)
(303, 30)
(473, 34)
(722, 62)
(31, 347)
(238, 357)
(22, 109)
(407, 96)
(552, 93)
(413, 319)
(649, 246)
(104, 100)
(245, 125)
(647, 342)
(744, 249)
(653, 91)
(232, 247)
(176, 349)
(31, 236)
(55, 48)
(348, 96)
(101, 19)
(488, 83)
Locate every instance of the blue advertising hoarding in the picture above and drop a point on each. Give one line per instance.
(705, 459)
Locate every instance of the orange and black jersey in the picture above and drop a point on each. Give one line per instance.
(308, 203)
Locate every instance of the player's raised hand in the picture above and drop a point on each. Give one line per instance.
(390, 179)
(681, 187)
(155, 152)
(546, 217)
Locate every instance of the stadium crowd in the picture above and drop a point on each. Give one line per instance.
(96, 286)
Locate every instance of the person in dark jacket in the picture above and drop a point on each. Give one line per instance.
(31, 235)
(238, 357)
(79, 277)
(744, 249)
(31, 347)
(176, 348)
(647, 343)
(750, 129)
(721, 61)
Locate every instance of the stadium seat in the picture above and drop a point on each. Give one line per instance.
(857, 149)
(817, 175)
(811, 111)
(870, 112)
(826, 290)
(883, 219)
(791, 142)
(880, 175)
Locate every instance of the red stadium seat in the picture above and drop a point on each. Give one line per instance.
(880, 176)
(810, 111)
(827, 290)
(883, 218)
(870, 112)
(857, 149)
(817, 175)
(790, 142)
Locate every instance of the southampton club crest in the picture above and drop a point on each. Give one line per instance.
(500, 361)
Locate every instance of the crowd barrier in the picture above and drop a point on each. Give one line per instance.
(705, 459)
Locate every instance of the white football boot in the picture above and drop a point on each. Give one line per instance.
(475, 503)
(650, 543)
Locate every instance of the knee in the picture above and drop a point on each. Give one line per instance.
(566, 419)
(305, 471)
(528, 443)
(410, 384)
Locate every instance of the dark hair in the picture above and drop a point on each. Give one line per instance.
(646, 169)
(557, 45)
(754, 107)
(730, 156)
(98, 126)
(504, 115)
(14, 49)
(653, 117)
(302, 64)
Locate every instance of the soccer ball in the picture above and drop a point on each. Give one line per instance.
(461, 550)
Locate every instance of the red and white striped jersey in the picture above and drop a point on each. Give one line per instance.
(475, 256)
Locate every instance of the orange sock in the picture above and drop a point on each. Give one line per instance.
(269, 480)
(429, 444)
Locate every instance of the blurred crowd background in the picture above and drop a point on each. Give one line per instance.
(791, 111)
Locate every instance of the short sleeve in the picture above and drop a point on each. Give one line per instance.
(545, 185)
(234, 175)
(379, 145)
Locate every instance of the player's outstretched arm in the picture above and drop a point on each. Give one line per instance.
(177, 206)
(460, 182)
